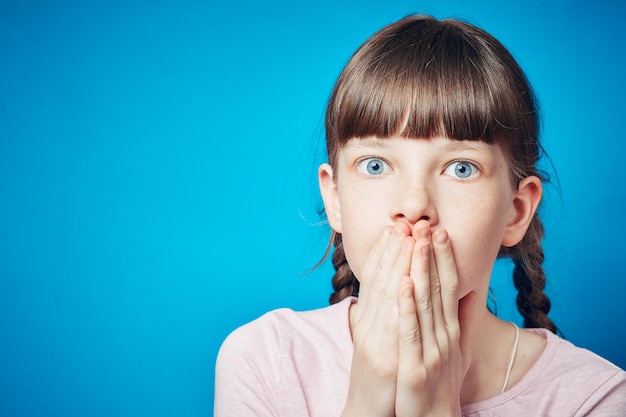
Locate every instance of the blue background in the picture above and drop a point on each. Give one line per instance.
(157, 182)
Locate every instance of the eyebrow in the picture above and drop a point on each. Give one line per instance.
(473, 145)
(449, 145)
(367, 143)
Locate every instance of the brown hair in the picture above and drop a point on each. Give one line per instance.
(420, 78)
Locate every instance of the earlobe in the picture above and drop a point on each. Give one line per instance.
(330, 196)
(525, 203)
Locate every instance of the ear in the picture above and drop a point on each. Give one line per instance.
(525, 203)
(330, 196)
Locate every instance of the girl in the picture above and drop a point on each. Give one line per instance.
(432, 140)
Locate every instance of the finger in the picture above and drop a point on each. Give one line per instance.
(448, 278)
(388, 258)
(435, 291)
(420, 275)
(422, 229)
(378, 322)
(386, 262)
(467, 320)
(409, 337)
(368, 275)
(400, 249)
(381, 301)
(401, 266)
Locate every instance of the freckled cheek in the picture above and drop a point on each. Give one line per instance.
(359, 236)
(475, 243)
(356, 252)
(473, 260)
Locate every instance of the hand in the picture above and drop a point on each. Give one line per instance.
(433, 330)
(374, 321)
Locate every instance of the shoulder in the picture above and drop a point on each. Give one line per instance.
(267, 340)
(564, 359)
(566, 380)
(286, 326)
(576, 380)
(280, 360)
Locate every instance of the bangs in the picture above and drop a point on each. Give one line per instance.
(422, 78)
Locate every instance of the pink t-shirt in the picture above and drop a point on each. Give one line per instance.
(293, 364)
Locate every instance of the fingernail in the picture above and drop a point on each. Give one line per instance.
(441, 237)
(407, 292)
(423, 229)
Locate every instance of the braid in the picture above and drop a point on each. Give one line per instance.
(344, 282)
(530, 279)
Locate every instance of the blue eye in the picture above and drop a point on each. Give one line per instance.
(461, 169)
(372, 166)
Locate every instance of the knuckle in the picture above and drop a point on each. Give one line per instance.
(454, 333)
(416, 378)
(434, 360)
(452, 286)
(387, 294)
(378, 366)
(435, 285)
(424, 303)
(382, 369)
(375, 285)
(411, 336)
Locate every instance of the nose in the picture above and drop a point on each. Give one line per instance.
(413, 201)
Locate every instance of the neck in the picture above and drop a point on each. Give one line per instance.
(493, 341)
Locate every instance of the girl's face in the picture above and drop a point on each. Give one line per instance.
(463, 187)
